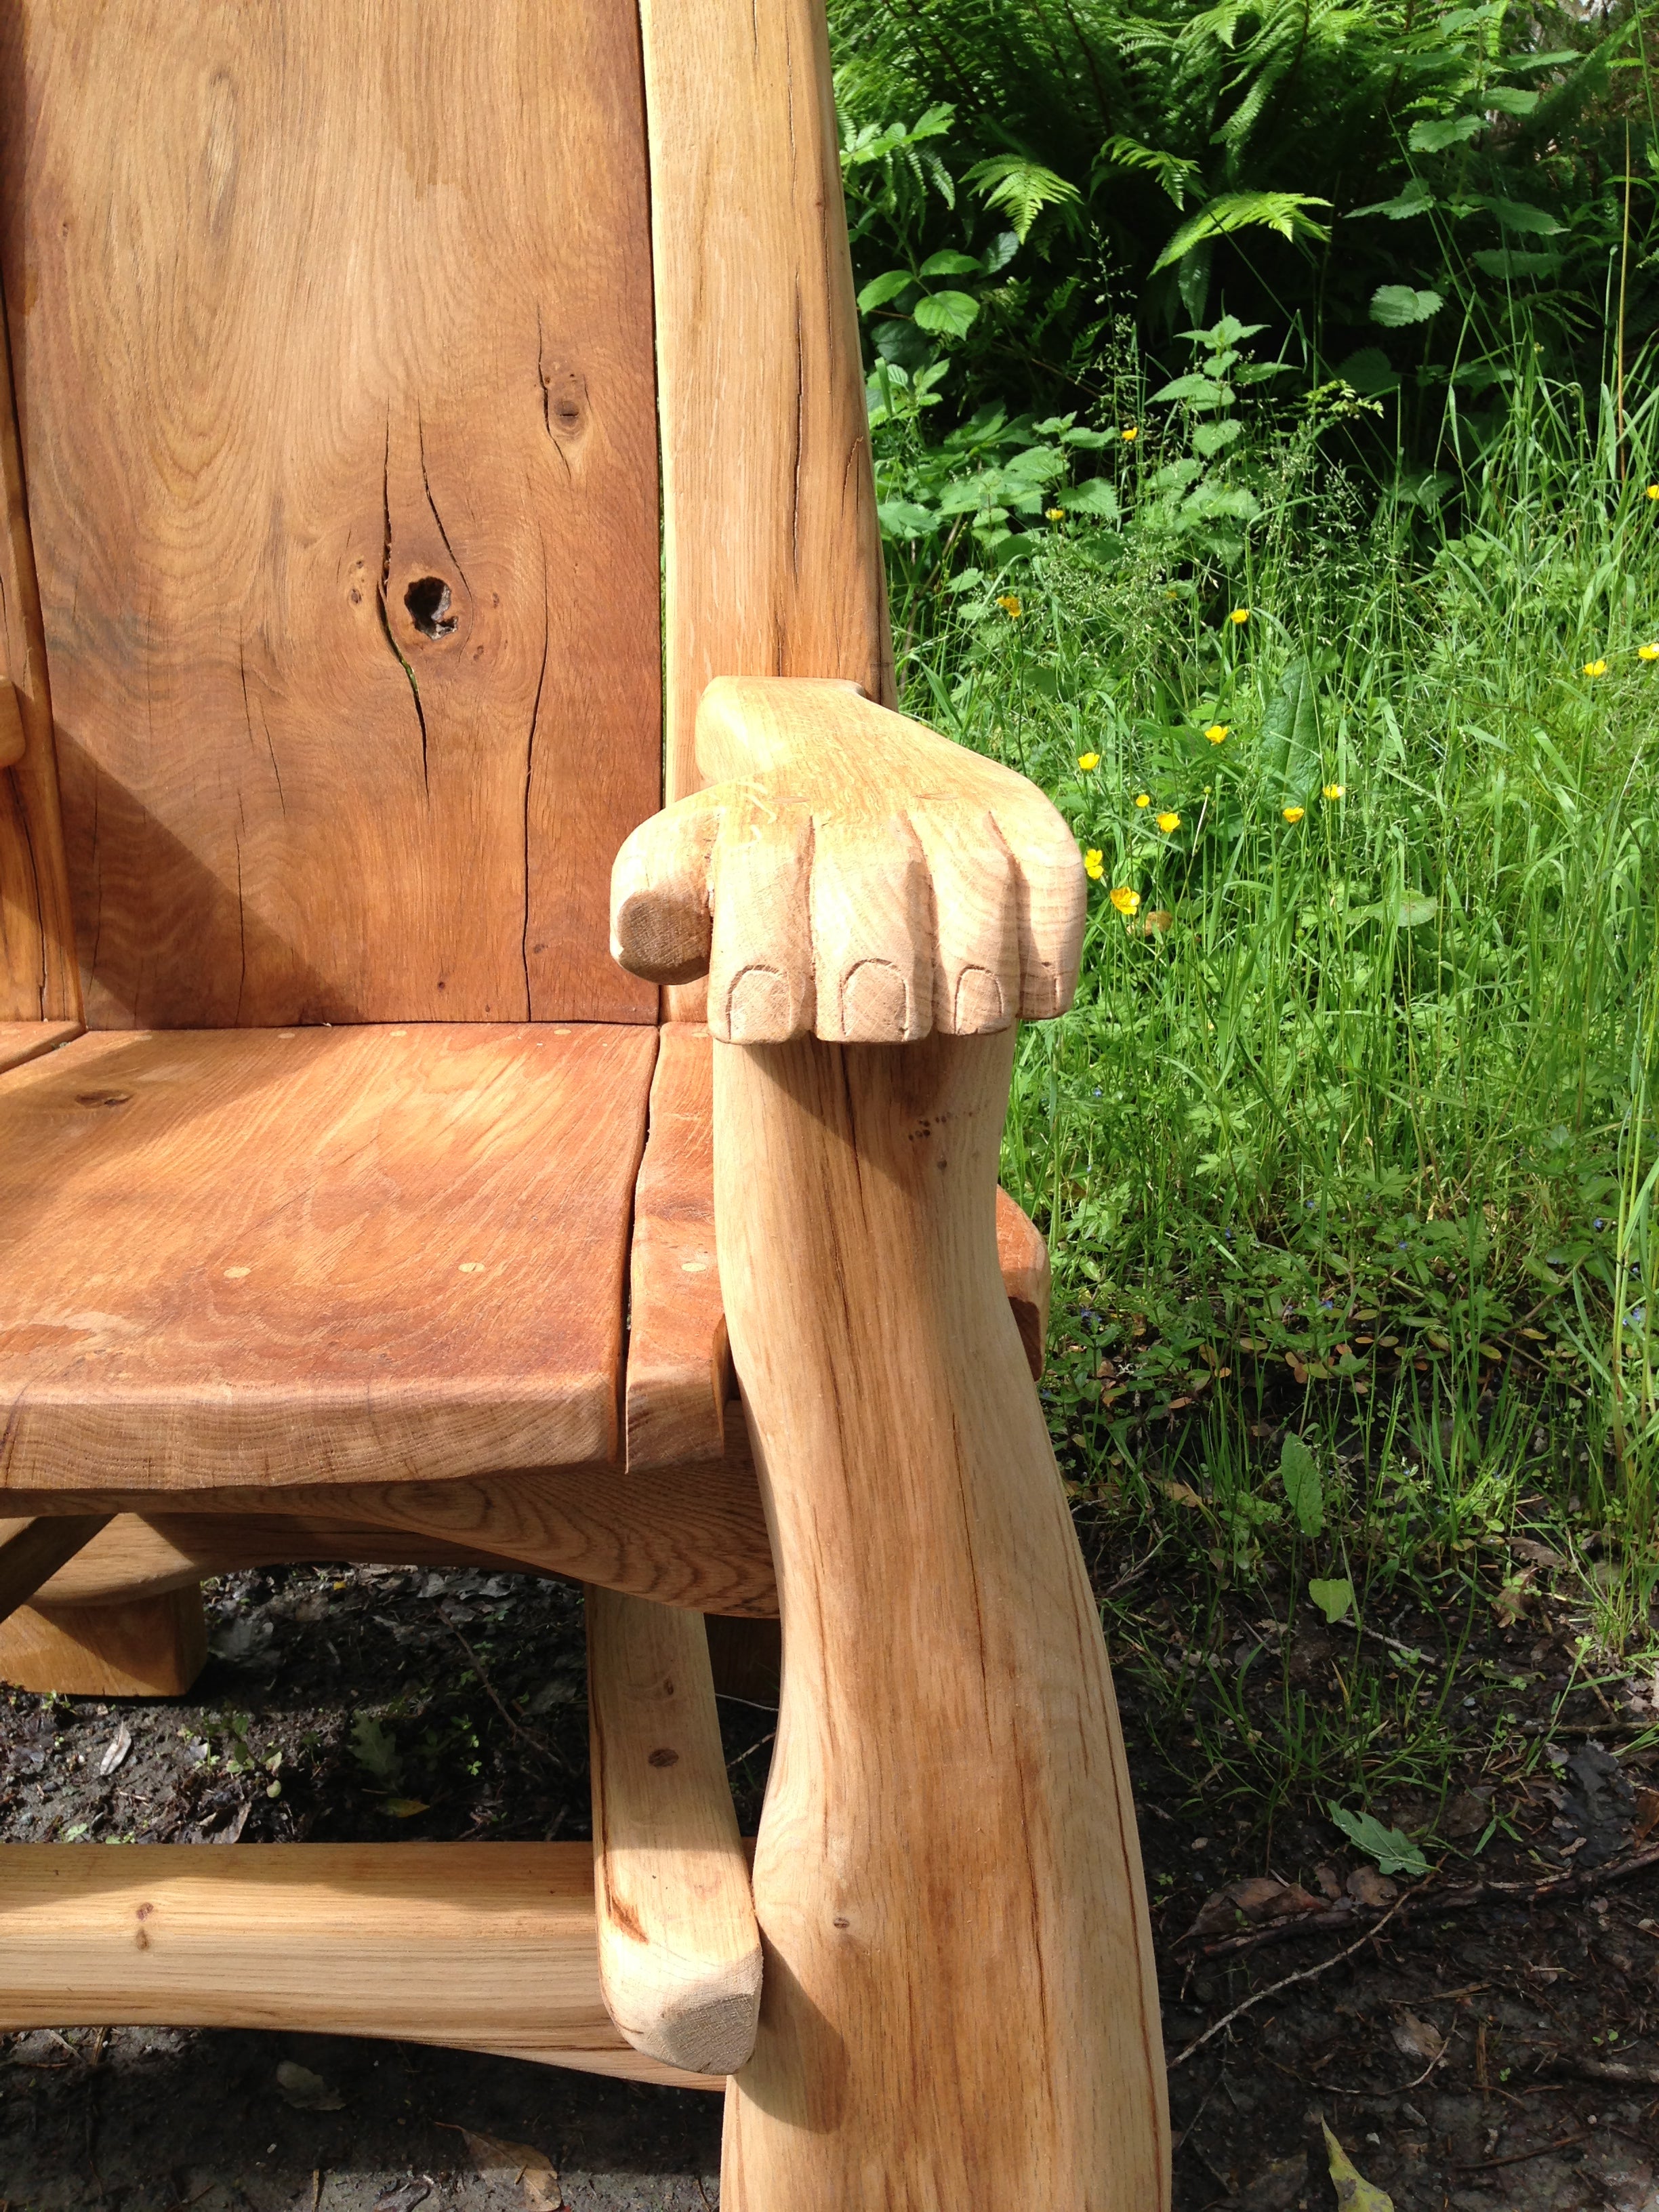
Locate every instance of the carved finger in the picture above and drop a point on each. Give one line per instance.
(1052, 901)
(976, 981)
(660, 908)
(872, 933)
(760, 973)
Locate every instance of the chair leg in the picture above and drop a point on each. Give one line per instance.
(147, 1647)
(959, 2004)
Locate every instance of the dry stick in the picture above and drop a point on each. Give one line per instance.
(1451, 1900)
(1307, 1974)
(1520, 2157)
(532, 1743)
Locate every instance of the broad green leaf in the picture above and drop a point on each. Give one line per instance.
(1415, 199)
(1393, 1851)
(374, 1750)
(1353, 2192)
(1289, 736)
(1285, 212)
(880, 289)
(1521, 215)
(1207, 391)
(1370, 371)
(1096, 497)
(902, 518)
(1434, 137)
(1334, 1599)
(949, 262)
(1394, 305)
(1298, 1471)
(952, 312)
(1508, 101)
(1210, 437)
(1517, 261)
(1415, 911)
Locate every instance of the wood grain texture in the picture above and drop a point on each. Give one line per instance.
(692, 1536)
(304, 1255)
(32, 1551)
(25, 1041)
(959, 2003)
(333, 332)
(1023, 1263)
(850, 874)
(679, 1364)
(147, 1647)
(489, 1945)
(38, 980)
(679, 1952)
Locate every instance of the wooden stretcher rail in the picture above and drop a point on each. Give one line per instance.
(487, 1946)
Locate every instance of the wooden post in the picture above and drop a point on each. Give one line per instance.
(959, 2004)
(145, 1647)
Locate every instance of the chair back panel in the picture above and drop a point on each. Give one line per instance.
(331, 329)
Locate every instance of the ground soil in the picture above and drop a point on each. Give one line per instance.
(1498, 2057)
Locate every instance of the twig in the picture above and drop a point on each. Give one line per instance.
(1520, 2157)
(531, 1742)
(1447, 1901)
(1410, 1650)
(750, 1754)
(1307, 1974)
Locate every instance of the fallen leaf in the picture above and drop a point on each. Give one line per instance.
(530, 2168)
(406, 1809)
(1326, 1876)
(1259, 1899)
(232, 1834)
(1367, 1886)
(306, 2091)
(1392, 1850)
(1540, 1555)
(1353, 2192)
(116, 1750)
(1180, 1493)
(1510, 1603)
(1647, 1815)
(1416, 2038)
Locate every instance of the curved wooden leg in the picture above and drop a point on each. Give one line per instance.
(146, 1647)
(959, 2005)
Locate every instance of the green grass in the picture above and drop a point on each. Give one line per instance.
(1353, 1132)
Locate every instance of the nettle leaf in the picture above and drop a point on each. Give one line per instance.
(951, 313)
(1096, 497)
(949, 262)
(880, 289)
(1508, 100)
(1370, 372)
(1334, 1599)
(901, 518)
(1393, 1851)
(1434, 137)
(1394, 305)
(1285, 212)
(1298, 1471)
(1517, 261)
(1521, 215)
(1210, 437)
(1415, 199)
(1207, 391)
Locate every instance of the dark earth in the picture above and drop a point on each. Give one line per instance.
(1498, 2054)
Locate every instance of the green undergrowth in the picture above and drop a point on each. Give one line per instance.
(1351, 1137)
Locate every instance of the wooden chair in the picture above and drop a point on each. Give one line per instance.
(356, 1202)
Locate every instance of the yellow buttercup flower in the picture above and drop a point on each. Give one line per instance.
(1217, 730)
(1087, 761)
(1240, 615)
(1056, 514)
(1653, 491)
(1143, 799)
(1294, 814)
(1647, 652)
(1595, 668)
(1334, 791)
(1131, 434)
(1125, 900)
(1094, 863)
(1166, 823)
(1011, 606)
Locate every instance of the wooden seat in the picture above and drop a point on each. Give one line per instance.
(315, 1254)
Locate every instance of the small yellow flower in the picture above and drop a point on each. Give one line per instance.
(1131, 434)
(1217, 730)
(1143, 799)
(1167, 823)
(1088, 761)
(1595, 668)
(1056, 514)
(1335, 791)
(1240, 616)
(1094, 863)
(1653, 491)
(1011, 606)
(1125, 900)
(1294, 814)
(1647, 652)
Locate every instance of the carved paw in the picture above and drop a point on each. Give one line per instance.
(850, 874)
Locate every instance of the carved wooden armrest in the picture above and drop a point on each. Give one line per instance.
(850, 874)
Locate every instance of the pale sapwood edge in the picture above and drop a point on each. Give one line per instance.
(679, 1949)
(852, 875)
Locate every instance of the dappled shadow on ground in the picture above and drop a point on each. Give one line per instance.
(1495, 2054)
